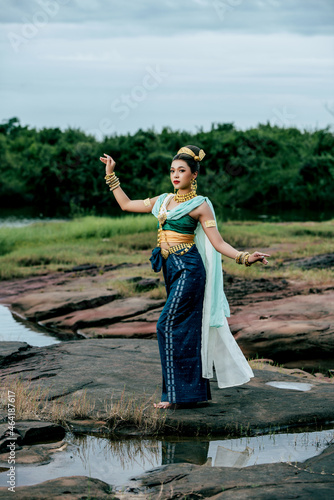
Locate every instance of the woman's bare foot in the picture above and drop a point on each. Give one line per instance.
(164, 405)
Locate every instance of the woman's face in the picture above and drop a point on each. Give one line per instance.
(181, 174)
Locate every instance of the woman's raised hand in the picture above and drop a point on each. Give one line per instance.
(254, 257)
(109, 163)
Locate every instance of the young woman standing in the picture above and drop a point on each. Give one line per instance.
(193, 333)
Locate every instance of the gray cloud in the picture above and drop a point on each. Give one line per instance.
(168, 17)
(241, 61)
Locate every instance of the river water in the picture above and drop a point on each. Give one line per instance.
(13, 328)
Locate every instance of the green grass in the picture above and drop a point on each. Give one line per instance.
(48, 247)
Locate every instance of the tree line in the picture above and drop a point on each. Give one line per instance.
(266, 167)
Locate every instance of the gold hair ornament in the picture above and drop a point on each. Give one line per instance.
(189, 152)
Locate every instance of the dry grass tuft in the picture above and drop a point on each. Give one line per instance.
(128, 412)
(33, 402)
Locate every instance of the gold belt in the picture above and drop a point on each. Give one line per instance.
(185, 247)
(185, 242)
(175, 237)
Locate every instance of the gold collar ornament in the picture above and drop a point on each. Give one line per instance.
(189, 152)
(180, 198)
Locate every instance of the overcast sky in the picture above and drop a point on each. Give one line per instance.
(117, 66)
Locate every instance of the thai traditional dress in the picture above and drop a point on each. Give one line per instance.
(193, 332)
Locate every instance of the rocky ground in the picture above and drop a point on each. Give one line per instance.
(132, 367)
(110, 351)
(288, 322)
(106, 367)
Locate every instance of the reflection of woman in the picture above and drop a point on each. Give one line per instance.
(193, 332)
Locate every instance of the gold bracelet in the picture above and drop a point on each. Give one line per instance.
(237, 257)
(112, 181)
(247, 264)
(110, 176)
(116, 186)
(147, 202)
(241, 257)
(111, 184)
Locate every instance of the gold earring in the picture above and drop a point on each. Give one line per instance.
(194, 186)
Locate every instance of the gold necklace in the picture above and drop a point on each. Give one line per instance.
(180, 198)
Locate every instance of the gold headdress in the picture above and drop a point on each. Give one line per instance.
(189, 152)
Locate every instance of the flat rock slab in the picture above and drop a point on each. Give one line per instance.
(297, 331)
(9, 349)
(125, 330)
(33, 454)
(103, 315)
(41, 306)
(34, 431)
(106, 367)
(313, 479)
(138, 326)
(71, 488)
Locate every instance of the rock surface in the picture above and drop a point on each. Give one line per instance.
(291, 323)
(69, 488)
(308, 480)
(34, 454)
(295, 331)
(33, 431)
(103, 315)
(109, 366)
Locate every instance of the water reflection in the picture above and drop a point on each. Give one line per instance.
(116, 462)
(175, 452)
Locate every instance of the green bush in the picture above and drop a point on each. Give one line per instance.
(266, 167)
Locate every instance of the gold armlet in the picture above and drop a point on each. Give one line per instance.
(147, 202)
(210, 223)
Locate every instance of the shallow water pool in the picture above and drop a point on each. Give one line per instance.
(115, 462)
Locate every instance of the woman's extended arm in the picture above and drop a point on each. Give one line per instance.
(204, 214)
(140, 206)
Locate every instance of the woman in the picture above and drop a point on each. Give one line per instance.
(193, 333)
